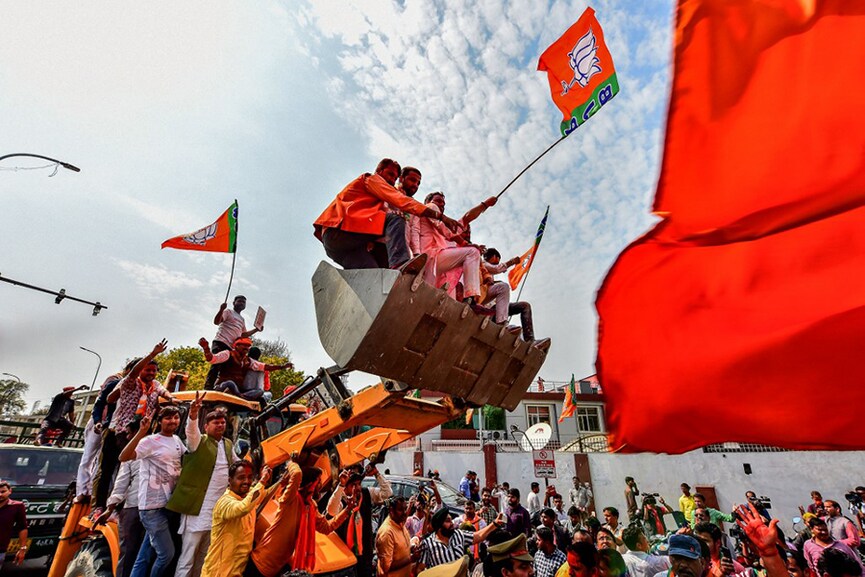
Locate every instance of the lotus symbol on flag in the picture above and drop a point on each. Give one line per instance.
(202, 235)
(583, 60)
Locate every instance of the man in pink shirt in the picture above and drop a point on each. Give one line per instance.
(447, 251)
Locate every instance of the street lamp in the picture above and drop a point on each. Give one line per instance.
(65, 165)
(11, 375)
(99, 366)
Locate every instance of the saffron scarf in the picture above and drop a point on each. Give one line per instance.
(354, 535)
(304, 552)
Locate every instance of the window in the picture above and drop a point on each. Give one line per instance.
(589, 419)
(538, 414)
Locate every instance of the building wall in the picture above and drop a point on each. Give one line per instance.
(787, 477)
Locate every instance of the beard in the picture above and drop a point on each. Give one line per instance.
(448, 532)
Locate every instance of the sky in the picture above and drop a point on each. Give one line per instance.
(173, 110)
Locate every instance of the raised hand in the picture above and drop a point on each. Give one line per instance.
(202, 342)
(146, 421)
(196, 405)
(765, 537)
(160, 347)
(265, 475)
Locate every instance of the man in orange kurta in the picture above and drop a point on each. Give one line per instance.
(351, 226)
(290, 539)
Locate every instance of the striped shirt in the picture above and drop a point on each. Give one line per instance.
(434, 552)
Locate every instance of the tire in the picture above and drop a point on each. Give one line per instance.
(92, 560)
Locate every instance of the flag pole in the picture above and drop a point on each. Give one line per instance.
(233, 255)
(535, 253)
(523, 171)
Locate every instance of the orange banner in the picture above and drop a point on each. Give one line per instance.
(221, 236)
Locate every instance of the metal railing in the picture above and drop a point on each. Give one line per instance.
(24, 433)
(588, 443)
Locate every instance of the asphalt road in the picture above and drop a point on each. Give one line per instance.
(30, 568)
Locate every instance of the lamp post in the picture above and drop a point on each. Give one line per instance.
(65, 165)
(11, 375)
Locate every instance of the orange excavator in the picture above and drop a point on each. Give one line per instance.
(384, 322)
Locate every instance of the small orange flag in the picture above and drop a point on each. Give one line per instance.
(521, 269)
(746, 304)
(580, 71)
(221, 236)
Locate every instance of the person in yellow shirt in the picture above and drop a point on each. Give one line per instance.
(234, 522)
(686, 503)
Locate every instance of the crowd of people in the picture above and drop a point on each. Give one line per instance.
(375, 222)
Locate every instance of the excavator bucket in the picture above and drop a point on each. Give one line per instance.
(393, 325)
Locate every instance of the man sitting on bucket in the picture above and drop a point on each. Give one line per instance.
(233, 365)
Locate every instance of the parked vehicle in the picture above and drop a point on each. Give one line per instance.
(41, 478)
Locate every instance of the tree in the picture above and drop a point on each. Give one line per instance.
(12, 397)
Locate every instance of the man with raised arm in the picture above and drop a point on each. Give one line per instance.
(135, 396)
(202, 482)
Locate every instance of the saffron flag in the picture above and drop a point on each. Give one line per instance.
(221, 236)
(746, 303)
(570, 404)
(469, 414)
(521, 269)
(580, 71)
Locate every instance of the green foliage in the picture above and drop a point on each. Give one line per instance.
(12, 397)
(191, 360)
(494, 418)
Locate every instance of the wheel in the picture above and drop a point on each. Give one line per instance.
(92, 560)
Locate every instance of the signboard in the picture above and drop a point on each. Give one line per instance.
(259, 319)
(545, 464)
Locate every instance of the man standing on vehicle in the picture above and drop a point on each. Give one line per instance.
(136, 395)
(232, 326)
(12, 519)
(159, 455)
(60, 416)
(99, 418)
(202, 482)
(358, 533)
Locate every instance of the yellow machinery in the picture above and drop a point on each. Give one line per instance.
(384, 322)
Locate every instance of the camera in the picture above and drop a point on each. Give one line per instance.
(761, 502)
(854, 498)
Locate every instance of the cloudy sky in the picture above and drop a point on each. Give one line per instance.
(172, 110)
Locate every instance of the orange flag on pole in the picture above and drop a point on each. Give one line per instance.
(221, 236)
(570, 404)
(580, 71)
(746, 304)
(521, 269)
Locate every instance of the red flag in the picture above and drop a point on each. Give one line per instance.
(746, 304)
(221, 236)
(580, 71)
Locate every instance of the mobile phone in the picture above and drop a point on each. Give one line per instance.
(725, 553)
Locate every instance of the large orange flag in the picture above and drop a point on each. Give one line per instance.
(745, 306)
(580, 71)
(221, 236)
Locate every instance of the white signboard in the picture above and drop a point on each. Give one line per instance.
(545, 464)
(259, 319)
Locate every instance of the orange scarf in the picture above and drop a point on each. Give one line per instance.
(304, 551)
(354, 535)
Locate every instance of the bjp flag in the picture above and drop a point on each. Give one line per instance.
(221, 236)
(744, 308)
(521, 269)
(580, 71)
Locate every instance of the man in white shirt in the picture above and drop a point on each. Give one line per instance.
(637, 559)
(159, 457)
(202, 482)
(533, 501)
(231, 326)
